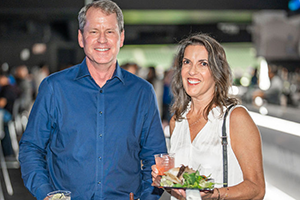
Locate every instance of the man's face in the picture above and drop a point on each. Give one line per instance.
(101, 38)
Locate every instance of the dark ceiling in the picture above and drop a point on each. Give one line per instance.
(153, 4)
(53, 9)
(204, 4)
(25, 22)
(15, 14)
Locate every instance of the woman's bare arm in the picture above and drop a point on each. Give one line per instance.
(246, 144)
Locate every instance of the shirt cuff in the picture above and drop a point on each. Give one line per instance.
(42, 191)
(151, 193)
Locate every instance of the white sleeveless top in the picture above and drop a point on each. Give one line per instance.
(205, 152)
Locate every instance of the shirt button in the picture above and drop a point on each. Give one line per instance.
(100, 158)
(101, 91)
(100, 112)
(100, 135)
(99, 182)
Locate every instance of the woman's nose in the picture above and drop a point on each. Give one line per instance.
(193, 70)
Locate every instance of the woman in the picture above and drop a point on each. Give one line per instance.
(200, 87)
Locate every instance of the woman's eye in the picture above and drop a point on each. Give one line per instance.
(205, 64)
(185, 62)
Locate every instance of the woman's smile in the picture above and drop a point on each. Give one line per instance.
(193, 81)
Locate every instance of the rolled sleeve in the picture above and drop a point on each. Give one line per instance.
(42, 191)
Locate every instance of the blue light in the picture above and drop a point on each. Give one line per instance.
(294, 5)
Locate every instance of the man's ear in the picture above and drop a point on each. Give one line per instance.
(80, 39)
(122, 38)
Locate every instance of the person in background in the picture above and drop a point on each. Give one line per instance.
(25, 84)
(200, 87)
(274, 93)
(8, 95)
(94, 128)
(254, 78)
(167, 96)
(39, 72)
(5, 69)
(131, 67)
(253, 86)
(151, 75)
(157, 84)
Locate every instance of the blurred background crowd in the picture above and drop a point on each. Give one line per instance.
(261, 39)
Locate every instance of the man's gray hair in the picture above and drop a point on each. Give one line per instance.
(107, 6)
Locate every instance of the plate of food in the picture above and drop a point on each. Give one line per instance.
(185, 178)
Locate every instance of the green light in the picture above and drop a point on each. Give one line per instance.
(175, 17)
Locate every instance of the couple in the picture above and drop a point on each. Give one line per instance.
(95, 127)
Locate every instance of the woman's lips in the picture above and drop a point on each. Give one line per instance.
(193, 81)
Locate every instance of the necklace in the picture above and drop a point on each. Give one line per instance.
(195, 122)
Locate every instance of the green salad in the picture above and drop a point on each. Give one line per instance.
(187, 180)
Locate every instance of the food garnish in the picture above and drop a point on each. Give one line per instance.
(58, 196)
(185, 177)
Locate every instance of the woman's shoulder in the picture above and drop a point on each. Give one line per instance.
(238, 111)
(240, 118)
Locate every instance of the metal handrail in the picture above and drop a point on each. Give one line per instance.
(3, 163)
(1, 193)
(5, 173)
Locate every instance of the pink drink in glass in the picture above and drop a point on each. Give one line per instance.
(164, 162)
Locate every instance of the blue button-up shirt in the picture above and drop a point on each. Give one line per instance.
(91, 140)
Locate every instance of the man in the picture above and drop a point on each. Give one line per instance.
(131, 67)
(93, 125)
(8, 95)
(24, 83)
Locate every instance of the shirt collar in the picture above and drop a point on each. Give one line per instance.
(83, 72)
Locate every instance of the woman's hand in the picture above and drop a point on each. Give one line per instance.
(207, 195)
(155, 177)
(178, 193)
(181, 194)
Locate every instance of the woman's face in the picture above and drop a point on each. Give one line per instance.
(197, 79)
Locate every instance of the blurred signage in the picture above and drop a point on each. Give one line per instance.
(276, 36)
